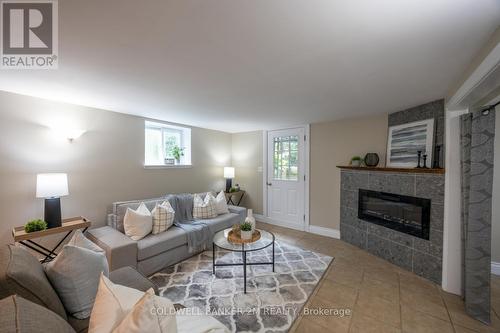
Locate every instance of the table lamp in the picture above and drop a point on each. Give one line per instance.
(229, 175)
(51, 187)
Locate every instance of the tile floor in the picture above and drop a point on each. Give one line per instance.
(381, 297)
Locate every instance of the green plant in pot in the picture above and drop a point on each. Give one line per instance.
(177, 152)
(35, 225)
(356, 161)
(246, 231)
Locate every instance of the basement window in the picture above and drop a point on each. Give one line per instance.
(166, 145)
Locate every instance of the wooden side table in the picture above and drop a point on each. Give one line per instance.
(235, 198)
(68, 225)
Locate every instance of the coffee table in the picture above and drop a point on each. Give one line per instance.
(221, 241)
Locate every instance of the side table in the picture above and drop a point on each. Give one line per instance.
(235, 198)
(68, 225)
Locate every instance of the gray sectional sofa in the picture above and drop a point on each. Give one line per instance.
(154, 252)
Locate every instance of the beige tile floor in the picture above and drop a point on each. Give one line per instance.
(381, 297)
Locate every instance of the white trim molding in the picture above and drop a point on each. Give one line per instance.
(485, 68)
(313, 229)
(328, 232)
(495, 268)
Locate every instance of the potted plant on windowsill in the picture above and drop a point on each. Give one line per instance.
(177, 152)
(246, 231)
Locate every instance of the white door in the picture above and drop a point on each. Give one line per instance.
(285, 176)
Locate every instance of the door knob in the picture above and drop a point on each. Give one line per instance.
(269, 184)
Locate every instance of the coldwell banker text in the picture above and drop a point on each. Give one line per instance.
(29, 34)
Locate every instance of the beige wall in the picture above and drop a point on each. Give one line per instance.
(103, 166)
(495, 234)
(247, 160)
(334, 143)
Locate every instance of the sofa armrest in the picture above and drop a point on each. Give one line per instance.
(130, 277)
(241, 211)
(120, 250)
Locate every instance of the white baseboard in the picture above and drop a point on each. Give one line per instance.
(495, 268)
(262, 218)
(328, 232)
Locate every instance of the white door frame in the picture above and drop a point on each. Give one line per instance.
(264, 217)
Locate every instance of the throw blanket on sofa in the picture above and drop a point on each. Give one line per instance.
(198, 233)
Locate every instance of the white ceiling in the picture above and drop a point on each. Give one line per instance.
(237, 65)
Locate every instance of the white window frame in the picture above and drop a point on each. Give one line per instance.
(185, 142)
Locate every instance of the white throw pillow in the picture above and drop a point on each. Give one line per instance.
(138, 223)
(221, 203)
(163, 217)
(75, 274)
(79, 239)
(112, 303)
(204, 209)
(151, 314)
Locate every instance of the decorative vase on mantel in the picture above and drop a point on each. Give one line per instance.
(250, 219)
(371, 160)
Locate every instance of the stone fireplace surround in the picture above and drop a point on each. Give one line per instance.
(423, 257)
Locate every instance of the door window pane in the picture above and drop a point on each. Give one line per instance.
(286, 156)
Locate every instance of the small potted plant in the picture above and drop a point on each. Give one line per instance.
(35, 225)
(177, 153)
(356, 161)
(246, 231)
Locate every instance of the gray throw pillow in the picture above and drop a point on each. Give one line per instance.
(74, 274)
(20, 315)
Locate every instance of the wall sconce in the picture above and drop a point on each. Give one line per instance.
(69, 133)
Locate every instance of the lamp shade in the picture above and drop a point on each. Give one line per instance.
(51, 185)
(228, 172)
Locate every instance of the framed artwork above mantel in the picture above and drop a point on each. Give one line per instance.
(405, 140)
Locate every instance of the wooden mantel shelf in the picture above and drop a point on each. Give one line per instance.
(412, 170)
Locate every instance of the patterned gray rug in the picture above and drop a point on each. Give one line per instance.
(273, 300)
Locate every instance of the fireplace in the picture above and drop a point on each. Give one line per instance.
(410, 215)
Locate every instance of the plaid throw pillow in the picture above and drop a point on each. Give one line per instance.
(163, 217)
(204, 209)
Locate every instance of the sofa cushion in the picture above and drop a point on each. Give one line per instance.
(222, 222)
(163, 217)
(221, 203)
(152, 314)
(75, 273)
(22, 274)
(120, 209)
(78, 239)
(129, 277)
(138, 223)
(125, 276)
(152, 245)
(204, 208)
(21, 315)
(79, 325)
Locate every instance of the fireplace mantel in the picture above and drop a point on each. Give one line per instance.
(412, 170)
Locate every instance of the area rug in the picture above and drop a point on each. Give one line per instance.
(273, 300)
